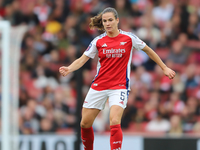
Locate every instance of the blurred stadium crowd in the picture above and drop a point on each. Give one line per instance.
(58, 33)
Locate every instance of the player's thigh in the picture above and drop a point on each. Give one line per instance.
(95, 99)
(118, 97)
(88, 116)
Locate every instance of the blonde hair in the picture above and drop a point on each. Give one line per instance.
(96, 21)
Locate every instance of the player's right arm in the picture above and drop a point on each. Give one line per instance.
(78, 63)
(90, 52)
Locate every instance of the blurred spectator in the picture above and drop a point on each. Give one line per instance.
(46, 126)
(189, 114)
(42, 10)
(29, 17)
(193, 22)
(122, 7)
(61, 42)
(189, 77)
(16, 16)
(184, 15)
(94, 6)
(139, 58)
(135, 11)
(163, 12)
(60, 10)
(151, 105)
(148, 32)
(177, 84)
(174, 105)
(196, 128)
(178, 53)
(142, 5)
(29, 122)
(163, 41)
(158, 124)
(163, 83)
(70, 28)
(175, 126)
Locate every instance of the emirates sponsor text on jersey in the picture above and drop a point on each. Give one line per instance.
(113, 53)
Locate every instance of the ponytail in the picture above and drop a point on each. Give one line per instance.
(96, 22)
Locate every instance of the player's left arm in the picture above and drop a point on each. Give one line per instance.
(167, 71)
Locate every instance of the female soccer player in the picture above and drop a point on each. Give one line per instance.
(112, 81)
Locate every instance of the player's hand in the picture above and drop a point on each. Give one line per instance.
(169, 72)
(64, 71)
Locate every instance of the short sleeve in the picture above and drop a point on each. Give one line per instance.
(92, 49)
(137, 43)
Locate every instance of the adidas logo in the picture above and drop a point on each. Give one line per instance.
(121, 102)
(104, 45)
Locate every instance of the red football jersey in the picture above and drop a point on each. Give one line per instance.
(115, 53)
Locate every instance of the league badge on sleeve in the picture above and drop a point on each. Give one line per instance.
(89, 47)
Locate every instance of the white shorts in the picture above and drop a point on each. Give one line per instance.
(97, 99)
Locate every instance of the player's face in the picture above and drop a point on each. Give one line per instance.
(110, 23)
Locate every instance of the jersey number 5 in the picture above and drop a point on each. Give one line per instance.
(122, 97)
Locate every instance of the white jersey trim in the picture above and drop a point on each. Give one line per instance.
(138, 44)
(129, 70)
(98, 69)
(91, 51)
